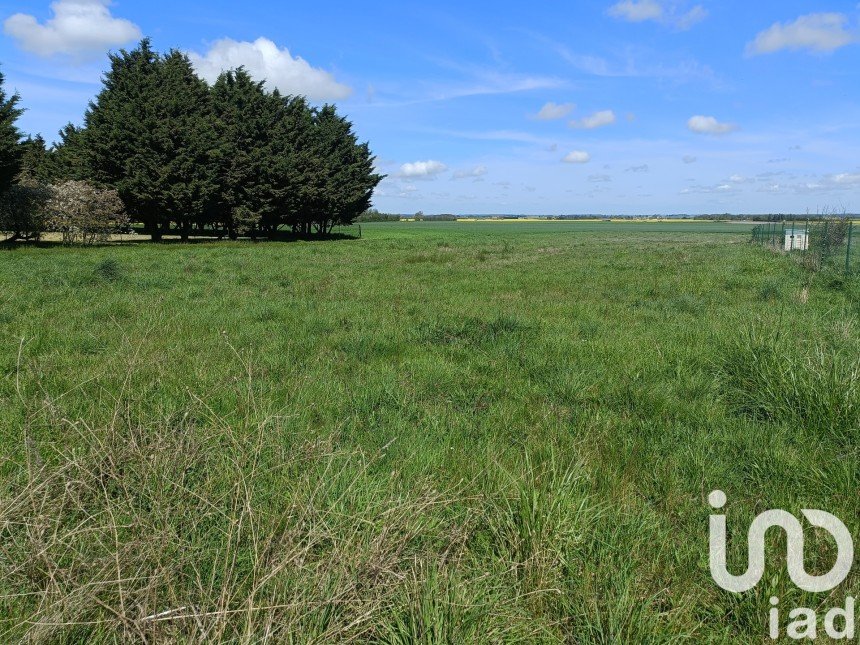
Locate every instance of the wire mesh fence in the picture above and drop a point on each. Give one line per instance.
(821, 243)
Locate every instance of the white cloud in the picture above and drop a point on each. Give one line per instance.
(497, 135)
(694, 16)
(637, 10)
(847, 179)
(552, 111)
(740, 179)
(476, 172)
(629, 63)
(492, 83)
(596, 120)
(770, 188)
(665, 12)
(709, 125)
(577, 156)
(810, 184)
(266, 62)
(818, 32)
(77, 28)
(825, 184)
(688, 159)
(710, 190)
(422, 169)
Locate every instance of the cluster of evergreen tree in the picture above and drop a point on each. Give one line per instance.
(185, 157)
(11, 151)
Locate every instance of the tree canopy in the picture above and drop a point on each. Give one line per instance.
(232, 159)
(11, 150)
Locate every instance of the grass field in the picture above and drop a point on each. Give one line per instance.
(438, 433)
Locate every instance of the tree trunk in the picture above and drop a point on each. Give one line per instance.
(151, 228)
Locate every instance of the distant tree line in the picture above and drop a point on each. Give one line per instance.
(183, 157)
(373, 215)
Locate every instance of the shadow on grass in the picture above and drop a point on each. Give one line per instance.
(281, 236)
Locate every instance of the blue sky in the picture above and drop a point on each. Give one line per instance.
(631, 107)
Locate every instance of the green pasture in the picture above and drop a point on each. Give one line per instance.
(437, 433)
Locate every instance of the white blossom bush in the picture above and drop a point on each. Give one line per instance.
(85, 214)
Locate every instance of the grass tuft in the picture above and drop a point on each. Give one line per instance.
(813, 384)
(108, 270)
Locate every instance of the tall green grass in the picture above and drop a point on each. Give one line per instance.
(812, 383)
(437, 433)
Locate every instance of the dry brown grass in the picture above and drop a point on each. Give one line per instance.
(205, 530)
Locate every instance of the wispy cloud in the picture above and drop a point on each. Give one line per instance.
(709, 125)
(816, 32)
(636, 62)
(577, 156)
(741, 179)
(672, 14)
(596, 120)
(514, 136)
(720, 189)
(497, 85)
(832, 184)
(847, 179)
(637, 10)
(480, 83)
(472, 173)
(553, 111)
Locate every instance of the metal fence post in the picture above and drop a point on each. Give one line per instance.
(848, 249)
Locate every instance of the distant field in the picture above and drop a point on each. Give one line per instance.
(594, 226)
(440, 432)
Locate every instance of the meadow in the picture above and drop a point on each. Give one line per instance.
(465, 432)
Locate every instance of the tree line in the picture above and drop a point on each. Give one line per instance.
(231, 159)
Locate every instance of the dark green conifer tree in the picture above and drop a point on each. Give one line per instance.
(347, 178)
(37, 161)
(69, 155)
(10, 138)
(247, 117)
(150, 135)
(185, 144)
(298, 168)
(118, 137)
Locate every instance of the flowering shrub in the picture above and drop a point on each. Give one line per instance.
(85, 214)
